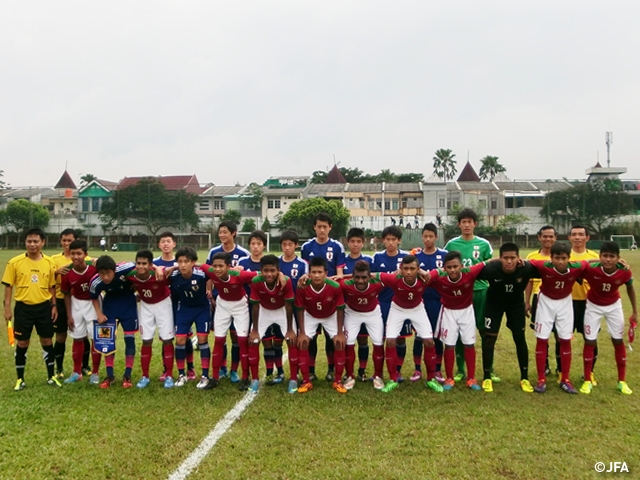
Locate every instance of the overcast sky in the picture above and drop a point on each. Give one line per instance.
(240, 91)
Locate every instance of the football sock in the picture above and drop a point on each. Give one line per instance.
(430, 361)
(378, 360)
(417, 353)
(129, 352)
(49, 359)
(541, 355)
(205, 358)
(145, 359)
(303, 364)
(168, 353)
(558, 355)
(391, 358)
(109, 360)
(488, 348)
(96, 358)
(350, 359)
(277, 347)
(401, 352)
(294, 356)
(59, 349)
(235, 355)
(439, 351)
(417, 363)
(224, 355)
(460, 356)
(595, 357)
(188, 348)
(269, 355)
(363, 355)
(254, 360)
(218, 352)
(338, 356)
(470, 360)
(77, 352)
(21, 360)
(449, 359)
(243, 350)
(181, 354)
(313, 353)
(621, 360)
(522, 352)
(86, 354)
(587, 360)
(565, 354)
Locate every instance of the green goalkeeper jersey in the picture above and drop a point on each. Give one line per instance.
(472, 251)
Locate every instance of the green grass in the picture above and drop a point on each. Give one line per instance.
(83, 432)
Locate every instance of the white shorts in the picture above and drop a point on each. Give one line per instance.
(612, 314)
(457, 322)
(372, 320)
(418, 317)
(226, 311)
(267, 317)
(83, 315)
(330, 324)
(160, 315)
(550, 311)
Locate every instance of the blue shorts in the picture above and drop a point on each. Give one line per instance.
(433, 306)
(187, 316)
(122, 309)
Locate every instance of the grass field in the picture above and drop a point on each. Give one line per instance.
(82, 432)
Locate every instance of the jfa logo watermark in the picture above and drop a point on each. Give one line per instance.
(613, 467)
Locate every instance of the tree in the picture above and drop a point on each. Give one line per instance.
(148, 203)
(233, 215)
(594, 204)
(409, 177)
(319, 176)
(355, 175)
(249, 225)
(252, 197)
(490, 168)
(386, 175)
(86, 179)
(509, 223)
(301, 213)
(2, 184)
(266, 225)
(444, 165)
(22, 214)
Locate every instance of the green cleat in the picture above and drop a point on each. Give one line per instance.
(458, 377)
(586, 388)
(495, 378)
(624, 388)
(435, 386)
(19, 385)
(391, 385)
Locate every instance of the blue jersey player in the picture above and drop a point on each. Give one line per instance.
(333, 252)
(118, 305)
(430, 257)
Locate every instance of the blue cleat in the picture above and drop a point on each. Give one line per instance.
(223, 372)
(293, 386)
(168, 382)
(144, 381)
(73, 378)
(254, 386)
(234, 377)
(94, 379)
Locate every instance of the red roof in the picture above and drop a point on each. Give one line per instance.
(335, 176)
(468, 174)
(65, 181)
(189, 183)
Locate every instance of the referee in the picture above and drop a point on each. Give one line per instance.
(32, 276)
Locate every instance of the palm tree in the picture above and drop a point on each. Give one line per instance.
(386, 175)
(444, 165)
(86, 179)
(490, 168)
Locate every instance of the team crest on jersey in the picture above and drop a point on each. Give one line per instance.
(476, 254)
(34, 278)
(439, 264)
(519, 280)
(329, 299)
(329, 253)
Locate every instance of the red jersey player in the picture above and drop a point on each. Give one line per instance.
(156, 311)
(603, 300)
(320, 303)
(272, 305)
(555, 308)
(80, 312)
(455, 286)
(362, 308)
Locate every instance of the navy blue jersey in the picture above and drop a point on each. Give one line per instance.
(332, 251)
(349, 262)
(250, 266)
(159, 262)
(294, 269)
(119, 287)
(384, 263)
(236, 254)
(192, 291)
(428, 262)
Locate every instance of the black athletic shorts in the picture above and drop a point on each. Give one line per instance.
(61, 325)
(28, 316)
(516, 319)
(579, 307)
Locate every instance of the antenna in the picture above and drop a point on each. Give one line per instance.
(608, 139)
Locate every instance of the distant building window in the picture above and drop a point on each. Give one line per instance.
(494, 204)
(85, 204)
(395, 204)
(273, 203)
(387, 205)
(95, 204)
(204, 205)
(361, 203)
(441, 203)
(218, 205)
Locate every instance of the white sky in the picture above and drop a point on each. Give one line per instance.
(240, 91)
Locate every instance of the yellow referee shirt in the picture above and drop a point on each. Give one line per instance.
(580, 291)
(31, 280)
(60, 261)
(536, 281)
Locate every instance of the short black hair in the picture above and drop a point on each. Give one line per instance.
(167, 235)
(610, 247)
(559, 248)
(322, 217)
(78, 244)
(393, 231)
(229, 225)
(318, 262)
(224, 256)
(105, 262)
(547, 227)
(452, 255)
(410, 259)
(430, 227)
(270, 260)
(509, 247)
(146, 254)
(36, 231)
(355, 232)
(362, 266)
(69, 231)
(188, 252)
(467, 213)
(290, 235)
(260, 235)
(573, 227)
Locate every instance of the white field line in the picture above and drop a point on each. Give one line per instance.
(223, 425)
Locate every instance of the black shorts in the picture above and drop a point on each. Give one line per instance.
(61, 325)
(534, 307)
(579, 307)
(407, 330)
(516, 321)
(363, 331)
(28, 316)
(274, 332)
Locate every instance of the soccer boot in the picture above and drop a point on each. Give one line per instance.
(211, 384)
(330, 376)
(417, 376)
(362, 377)
(234, 377)
(244, 384)
(459, 376)
(495, 378)
(268, 380)
(593, 380)
(168, 382)
(440, 378)
(378, 383)
(126, 382)
(390, 386)
(449, 383)
(86, 371)
(526, 386)
(473, 384)
(223, 372)
(94, 379)
(541, 386)
(20, 385)
(435, 386)
(568, 387)
(293, 386)
(106, 383)
(181, 382)
(339, 387)
(305, 387)
(278, 379)
(54, 382)
(624, 388)
(74, 377)
(349, 383)
(586, 388)
(191, 374)
(487, 385)
(163, 377)
(254, 386)
(204, 381)
(60, 375)
(142, 383)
